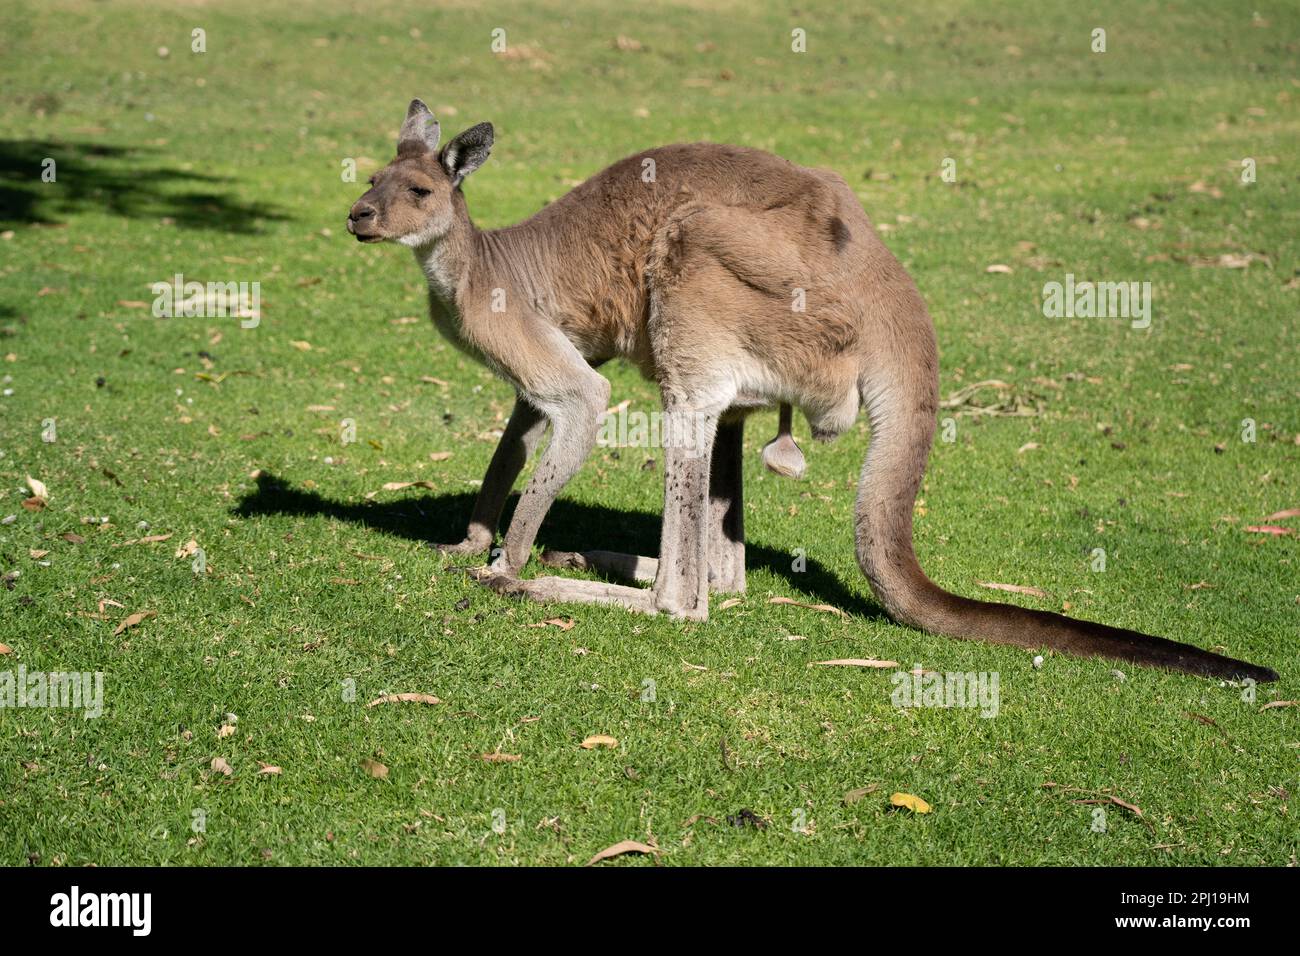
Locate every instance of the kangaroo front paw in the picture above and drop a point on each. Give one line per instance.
(572, 560)
(496, 580)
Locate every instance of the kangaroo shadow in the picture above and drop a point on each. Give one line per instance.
(122, 181)
(569, 526)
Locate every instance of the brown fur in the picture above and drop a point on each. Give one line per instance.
(693, 276)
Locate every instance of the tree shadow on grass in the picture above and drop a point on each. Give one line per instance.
(569, 526)
(122, 181)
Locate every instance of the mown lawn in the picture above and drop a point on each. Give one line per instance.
(320, 595)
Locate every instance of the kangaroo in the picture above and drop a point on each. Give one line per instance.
(689, 261)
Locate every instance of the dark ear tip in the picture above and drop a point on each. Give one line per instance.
(417, 106)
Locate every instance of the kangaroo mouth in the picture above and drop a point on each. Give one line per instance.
(364, 236)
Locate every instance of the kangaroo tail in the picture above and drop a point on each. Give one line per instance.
(902, 406)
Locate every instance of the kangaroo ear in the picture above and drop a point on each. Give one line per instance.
(420, 131)
(467, 152)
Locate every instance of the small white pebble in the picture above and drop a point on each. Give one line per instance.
(1118, 675)
(103, 519)
(164, 52)
(180, 391)
(117, 565)
(1038, 661)
(8, 519)
(142, 526)
(9, 391)
(329, 460)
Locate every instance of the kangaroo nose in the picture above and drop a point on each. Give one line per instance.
(362, 211)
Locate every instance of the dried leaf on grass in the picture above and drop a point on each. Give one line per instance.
(853, 796)
(812, 607)
(618, 849)
(131, 620)
(859, 662)
(563, 623)
(411, 698)
(1010, 403)
(909, 802)
(1015, 588)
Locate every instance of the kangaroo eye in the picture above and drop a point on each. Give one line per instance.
(420, 191)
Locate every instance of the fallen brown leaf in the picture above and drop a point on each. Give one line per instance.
(375, 769)
(404, 698)
(858, 662)
(853, 796)
(599, 740)
(1132, 808)
(220, 766)
(1278, 703)
(267, 769)
(131, 620)
(498, 758)
(1272, 529)
(618, 849)
(1017, 588)
(812, 607)
(563, 623)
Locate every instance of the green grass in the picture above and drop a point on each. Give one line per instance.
(226, 166)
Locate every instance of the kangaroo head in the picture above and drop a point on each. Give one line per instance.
(413, 199)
